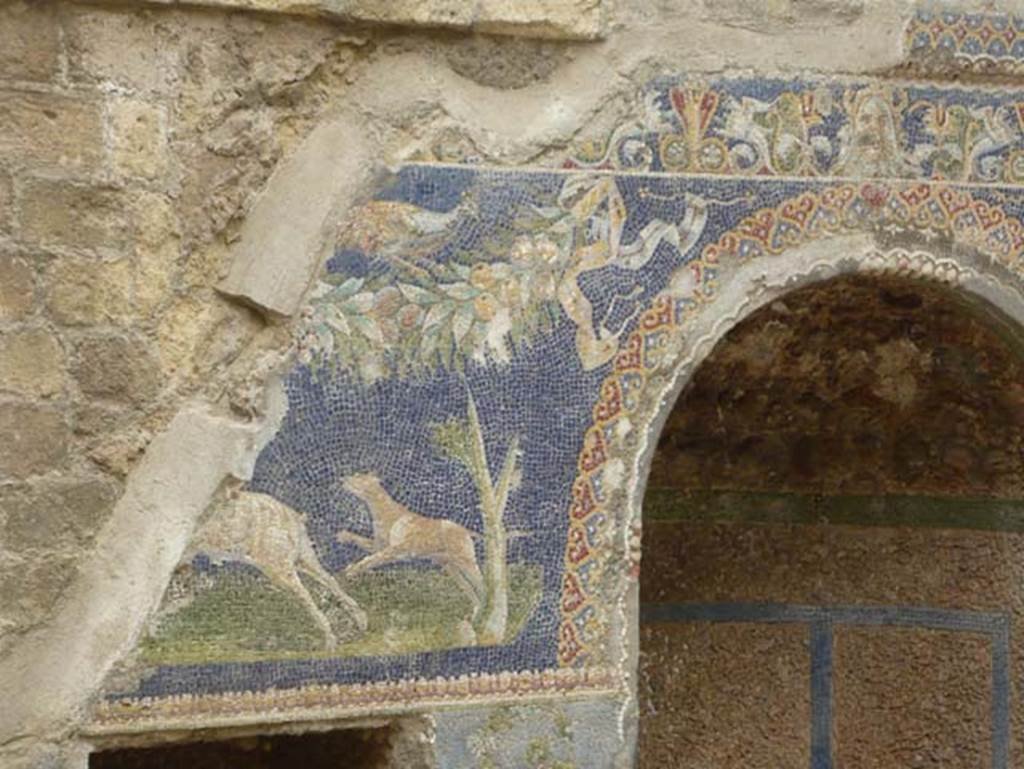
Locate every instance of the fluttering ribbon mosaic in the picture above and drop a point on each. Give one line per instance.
(445, 512)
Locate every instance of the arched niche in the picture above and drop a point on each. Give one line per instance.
(831, 535)
(733, 278)
(673, 338)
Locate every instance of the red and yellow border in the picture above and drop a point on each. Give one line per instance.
(929, 210)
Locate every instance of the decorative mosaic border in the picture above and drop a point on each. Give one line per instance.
(973, 40)
(931, 210)
(815, 129)
(237, 708)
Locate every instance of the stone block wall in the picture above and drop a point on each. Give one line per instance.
(131, 144)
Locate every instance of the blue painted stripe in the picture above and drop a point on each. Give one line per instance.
(905, 616)
(900, 616)
(1001, 695)
(728, 612)
(821, 694)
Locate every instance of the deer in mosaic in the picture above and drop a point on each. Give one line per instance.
(399, 534)
(258, 530)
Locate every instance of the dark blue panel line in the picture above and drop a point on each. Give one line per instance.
(821, 694)
(1001, 696)
(906, 616)
(729, 612)
(903, 616)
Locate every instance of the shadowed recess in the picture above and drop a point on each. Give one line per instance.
(364, 748)
(853, 388)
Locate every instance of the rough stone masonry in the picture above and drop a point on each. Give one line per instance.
(174, 177)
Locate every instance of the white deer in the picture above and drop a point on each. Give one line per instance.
(260, 531)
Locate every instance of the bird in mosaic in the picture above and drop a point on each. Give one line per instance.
(403, 234)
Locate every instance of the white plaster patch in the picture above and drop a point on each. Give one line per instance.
(125, 575)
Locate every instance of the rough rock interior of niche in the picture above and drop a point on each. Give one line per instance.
(833, 528)
(468, 397)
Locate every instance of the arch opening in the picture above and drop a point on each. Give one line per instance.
(833, 529)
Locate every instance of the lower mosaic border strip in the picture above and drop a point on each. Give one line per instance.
(150, 714)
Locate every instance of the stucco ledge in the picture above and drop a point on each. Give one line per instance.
(553, 19)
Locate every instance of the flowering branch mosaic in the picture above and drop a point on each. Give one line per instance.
(407, 311)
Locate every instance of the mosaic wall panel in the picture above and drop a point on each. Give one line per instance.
(550, 735)
(440, 517)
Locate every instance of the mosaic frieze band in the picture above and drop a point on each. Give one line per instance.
(445, 511)
(232, 707)
(800, 128)
(983, 39)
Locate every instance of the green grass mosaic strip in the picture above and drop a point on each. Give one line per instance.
(858, 510)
